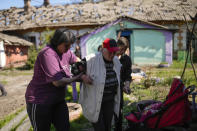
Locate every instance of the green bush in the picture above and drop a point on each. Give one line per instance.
(33, 52)
(79, 124)
(46, 36)
(32, 55)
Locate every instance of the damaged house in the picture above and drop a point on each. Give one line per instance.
(32, 22)
(150, 44)
(13, 50)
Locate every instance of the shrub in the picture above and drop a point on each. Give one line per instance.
(33, 52)
(32, 55)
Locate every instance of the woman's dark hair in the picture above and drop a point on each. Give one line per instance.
(62, 36)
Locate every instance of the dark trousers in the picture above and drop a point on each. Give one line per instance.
(42, 116)
(105, 117)
(118, 120)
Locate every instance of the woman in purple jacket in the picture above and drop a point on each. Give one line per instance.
(45, 94)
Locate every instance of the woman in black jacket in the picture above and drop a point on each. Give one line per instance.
(125, 76)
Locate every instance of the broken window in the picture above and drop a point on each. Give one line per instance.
(32, 39)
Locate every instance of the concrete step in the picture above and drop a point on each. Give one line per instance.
(14, 122)
(25, 126)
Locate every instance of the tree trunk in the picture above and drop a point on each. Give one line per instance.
(46, 2)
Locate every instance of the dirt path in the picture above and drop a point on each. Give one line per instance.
(15, 87)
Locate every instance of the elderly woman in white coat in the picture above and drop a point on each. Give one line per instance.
(100, 92)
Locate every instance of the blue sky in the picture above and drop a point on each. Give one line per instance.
(5, 4)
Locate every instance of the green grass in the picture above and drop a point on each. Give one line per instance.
(79, 123)
(15, 73)
(31, 128)
(179, 64)
(8, 118)
(176, 69)
(69, 97)
(3, 82)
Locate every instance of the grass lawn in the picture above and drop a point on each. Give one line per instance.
(15, 72)
(4, 82)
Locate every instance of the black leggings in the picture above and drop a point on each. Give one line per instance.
(41, 116)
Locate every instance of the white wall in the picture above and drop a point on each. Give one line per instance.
(2, 55)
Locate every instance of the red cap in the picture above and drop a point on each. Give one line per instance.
(111, 45)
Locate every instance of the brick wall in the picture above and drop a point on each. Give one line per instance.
(16, 55)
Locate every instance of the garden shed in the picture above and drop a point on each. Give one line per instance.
(150, 44)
